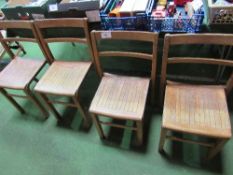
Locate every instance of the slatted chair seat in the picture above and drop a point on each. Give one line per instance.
(121, 97)
(63, 78)
(20, 72)
(200, 110)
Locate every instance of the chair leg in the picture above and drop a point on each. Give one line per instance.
(139, 131)
(21, 48)
(50, 106)
(84, 115)
(213, 151)
(36, 102)
(98, 126)
(162, 139)
(13, 102)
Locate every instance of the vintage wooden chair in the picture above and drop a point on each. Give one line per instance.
(20, 72)
(122, 97)
(63, 78)
(195, 109)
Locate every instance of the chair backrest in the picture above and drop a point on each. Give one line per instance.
(186, 39)
(64, 24)
(19, 31)
(126, 35)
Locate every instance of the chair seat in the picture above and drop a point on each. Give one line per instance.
(19, 72)
(121, 97)
(200, 110)
(63, 78)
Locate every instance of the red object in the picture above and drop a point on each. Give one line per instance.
(171, 8)
(181, 2)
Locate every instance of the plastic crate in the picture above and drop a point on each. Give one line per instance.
(138, 22)
(219, 14)
(181, 23)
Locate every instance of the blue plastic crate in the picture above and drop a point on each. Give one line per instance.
(182, 23)
(138, 22)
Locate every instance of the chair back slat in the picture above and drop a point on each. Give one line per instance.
(10, 39)
(15, 24)
(206, 38)
(188, 39)
(97, 36)
(125, 35)
(67, 39)
(126, 54)
(62, 23)
(214, 61)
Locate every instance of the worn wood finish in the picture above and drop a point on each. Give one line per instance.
(198, 110)
(122, 97)
(125, 54)
(62, 23)
(63, 78)
(80, 40)
(195, 109)
(117, 126)
(126, 35)
(163, 135)
(189, 141)
(98, 126)
(50, 106)
(12, 101)
(20, 72)
(63, 103)
(214, 61)
(16, 24)
(85, 116)
(7, 49)
(34, 100)
(206, 38)
(215, 149)
(20, 39)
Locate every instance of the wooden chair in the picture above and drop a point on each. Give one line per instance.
(63, 78)
(20, 72)
(195, 109)
(122, 97)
